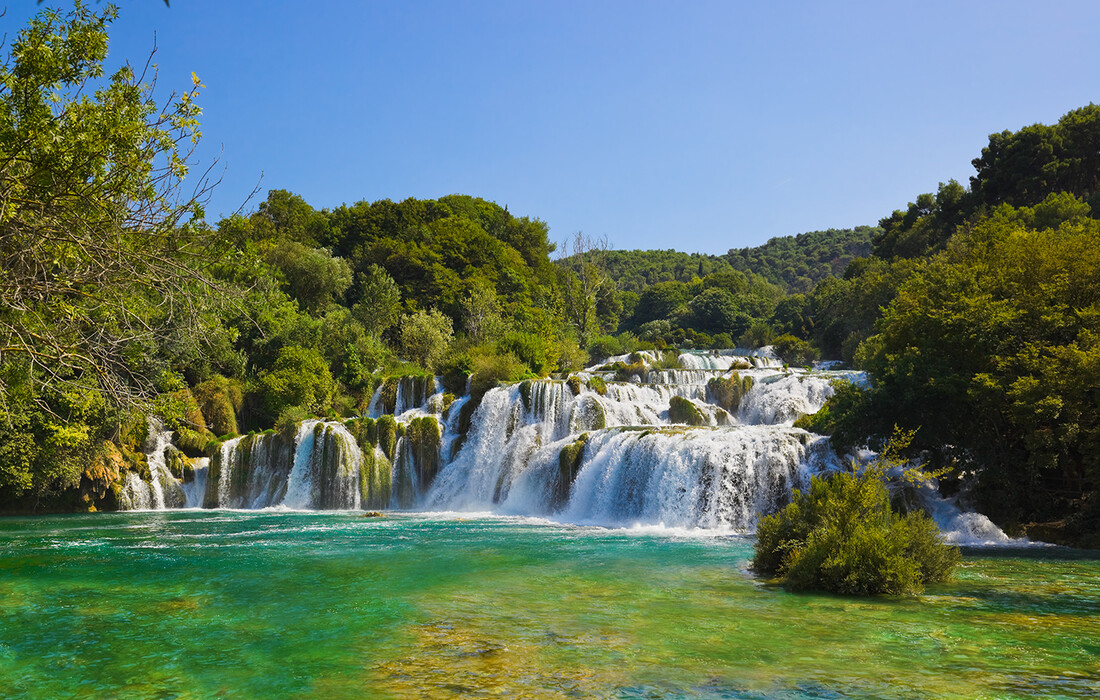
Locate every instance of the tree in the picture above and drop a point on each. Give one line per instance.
(101, 253)
(583, 279)
(380, 304)
(425, 336)
(313, 276)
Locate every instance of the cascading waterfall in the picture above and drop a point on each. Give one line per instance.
(634, 440)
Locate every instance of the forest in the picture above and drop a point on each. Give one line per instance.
(974, 309)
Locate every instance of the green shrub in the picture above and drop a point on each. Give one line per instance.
(842, 536)
(794, 351)
(220, 400)
(596, 384)
(538, 353)
(604, 347)
(491, 370)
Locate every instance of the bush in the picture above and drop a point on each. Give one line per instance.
(220, 399)
(794, 351)
(299, 377)
(842, 536)
(491, 370)
(538, 353)
(604, 347)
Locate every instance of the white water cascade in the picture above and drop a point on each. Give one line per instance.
(694, 440)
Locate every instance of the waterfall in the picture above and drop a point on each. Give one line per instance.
(698, 439)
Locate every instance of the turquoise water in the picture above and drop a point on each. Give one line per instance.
(187, 604)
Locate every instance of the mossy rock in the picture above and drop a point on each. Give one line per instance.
(728, 392)
(683, 411)
(448, 400)
(574, 383)
(569, 463)
(525, 389)
(388, 397)
(374, 480)
(588, 414)
(365, 431)
(179, 464)
(387, 428)
(597, 385)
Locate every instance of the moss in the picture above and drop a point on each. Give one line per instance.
(525, 388)
(597, 385)
(569, 463)
(728, 391)
(574, 384)
(220, 401)
(624, 373)
(448, 399)
(387, 435)
(388, 397)
(683, 411)
(374, 480)
(193, 442)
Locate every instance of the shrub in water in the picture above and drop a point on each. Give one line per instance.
(843, 537)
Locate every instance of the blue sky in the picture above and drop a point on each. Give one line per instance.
(698, 126)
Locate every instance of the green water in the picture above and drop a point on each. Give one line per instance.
(293, 605)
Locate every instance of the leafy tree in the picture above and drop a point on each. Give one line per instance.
(380, 300)
(583, 280)
(99, 251)
(313, 276)
(425, 336)
(716, 311)
(992, 351)
(298, 377)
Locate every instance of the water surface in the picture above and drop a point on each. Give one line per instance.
(200, 604)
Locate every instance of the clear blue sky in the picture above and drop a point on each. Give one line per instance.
(698, 126)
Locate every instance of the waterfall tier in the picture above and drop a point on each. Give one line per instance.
(693, 440)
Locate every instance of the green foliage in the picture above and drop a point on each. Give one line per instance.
(425, 336)
(841, 536)
(538, 353)
(684, 411)
(798, 263)
(298, 377)
(992, 349)
(98, 267)
(794, 351)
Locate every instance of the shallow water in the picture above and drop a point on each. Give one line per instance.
(199, 604)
